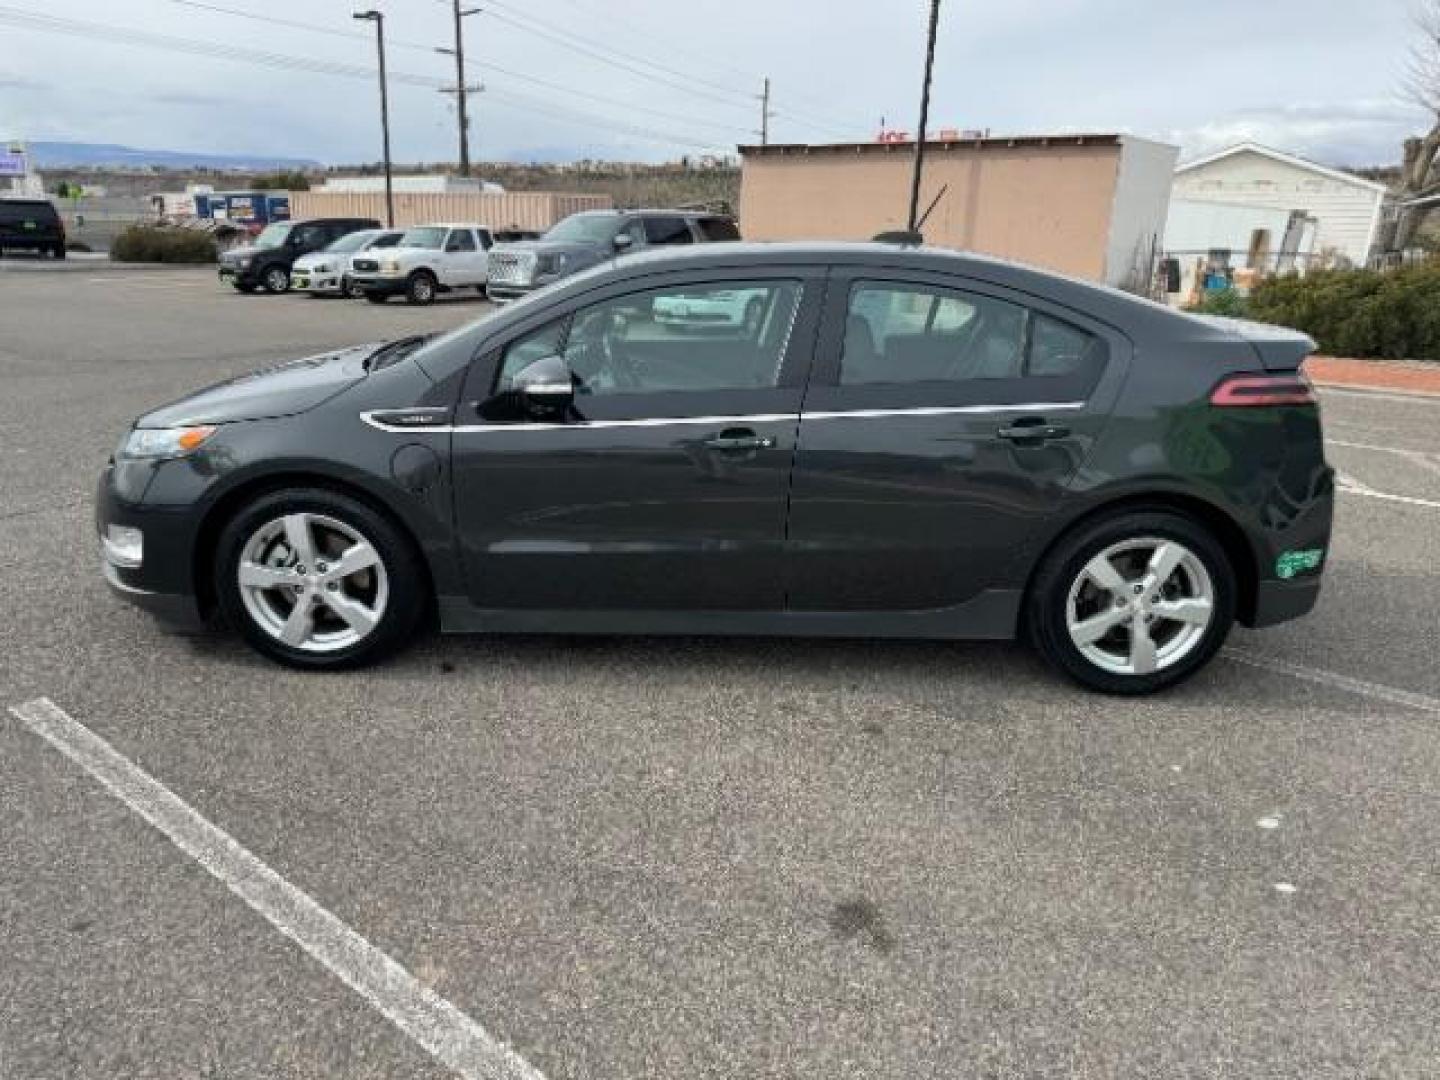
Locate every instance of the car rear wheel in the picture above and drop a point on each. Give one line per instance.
(420, 289)
(244, 288)
(1133, 603)
(316, 579)
(277, 279)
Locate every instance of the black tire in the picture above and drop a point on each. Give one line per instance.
(276, 279)
(245, 288)
(377, 297)
(406, 581)
(58, 251)
(347, 288)
(420, 288)
(1049, 598)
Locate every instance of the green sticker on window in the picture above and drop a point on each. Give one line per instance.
(1291, 563)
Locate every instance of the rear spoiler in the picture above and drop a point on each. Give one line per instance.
(1279, 348)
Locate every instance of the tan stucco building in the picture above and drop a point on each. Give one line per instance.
(1092, 206)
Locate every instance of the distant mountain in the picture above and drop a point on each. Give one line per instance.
(71, 155)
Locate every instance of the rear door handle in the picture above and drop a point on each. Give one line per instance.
(731, 441)
(1036, 430)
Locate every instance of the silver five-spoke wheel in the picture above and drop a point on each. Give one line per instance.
(313, 582)
(1140, 606)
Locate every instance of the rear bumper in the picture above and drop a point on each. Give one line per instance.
(1280, 601)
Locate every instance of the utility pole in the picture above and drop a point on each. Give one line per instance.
(460, 89)
(378, 18)
(924, 117)
(765, 113)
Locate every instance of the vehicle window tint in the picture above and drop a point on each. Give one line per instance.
(718, 228)
(524, 351)
(668, 230)
(728, 336)
(1057, 348)
(310, 236)
(910, 334)
(460, 240)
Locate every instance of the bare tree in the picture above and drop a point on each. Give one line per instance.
(1419, 176)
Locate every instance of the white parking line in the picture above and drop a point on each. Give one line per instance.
(1425, 460)
(1350, 485)
(1336, 681)
(437, 1025)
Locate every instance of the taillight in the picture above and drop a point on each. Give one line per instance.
(1247, 390)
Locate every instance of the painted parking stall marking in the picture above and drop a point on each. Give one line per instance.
(442, 1029)
(1335, 681)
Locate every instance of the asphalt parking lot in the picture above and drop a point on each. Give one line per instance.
(693, 857)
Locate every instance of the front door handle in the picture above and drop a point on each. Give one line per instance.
(734, 440)
(1033, 430)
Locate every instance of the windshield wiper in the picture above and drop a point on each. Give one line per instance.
(393, 351)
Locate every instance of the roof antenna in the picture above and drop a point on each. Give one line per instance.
(909, 237)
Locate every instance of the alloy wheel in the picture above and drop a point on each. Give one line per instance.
(277, 280)
(1140, 606)
(313, 582)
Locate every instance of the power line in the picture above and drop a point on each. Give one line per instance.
(810, 116)
(109, 34)
(480, 67)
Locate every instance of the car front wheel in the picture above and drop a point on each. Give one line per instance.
(316, 579)
(1133, 603)
(277, 279)
(420, 289)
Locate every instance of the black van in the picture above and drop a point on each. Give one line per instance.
(31, 225)
(266, 263)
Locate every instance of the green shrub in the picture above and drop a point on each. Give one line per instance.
(1365, 313)
(162, 244)
(1223, 302)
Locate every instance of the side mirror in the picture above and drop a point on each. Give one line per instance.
(546, 385)
(624, 242)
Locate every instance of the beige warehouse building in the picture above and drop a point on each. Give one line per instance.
(1092, 206)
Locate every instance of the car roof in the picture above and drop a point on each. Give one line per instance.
(659, 211)
(1108, 304)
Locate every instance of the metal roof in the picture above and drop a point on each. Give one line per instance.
(992, 142)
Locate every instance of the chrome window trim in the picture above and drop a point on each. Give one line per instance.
(740, 418)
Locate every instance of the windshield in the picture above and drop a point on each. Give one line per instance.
(354, 241)
(424, 237)
(273, 235)
(589, 228)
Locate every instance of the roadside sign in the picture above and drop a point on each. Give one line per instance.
(13, 162)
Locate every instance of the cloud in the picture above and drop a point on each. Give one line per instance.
(1364, 132)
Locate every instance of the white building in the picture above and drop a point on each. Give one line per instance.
(1346, 209)
(424, 184)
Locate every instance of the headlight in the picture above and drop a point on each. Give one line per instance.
(165, 442)
(389, 266)
(245, 262)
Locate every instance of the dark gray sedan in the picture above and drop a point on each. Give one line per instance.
(895, 442)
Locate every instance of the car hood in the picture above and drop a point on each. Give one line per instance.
(247, 252)
(550, 247)
(283, 390)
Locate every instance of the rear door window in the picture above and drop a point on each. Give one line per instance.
(460, 240)
(901, 334)
(668, 230)
(718, 228)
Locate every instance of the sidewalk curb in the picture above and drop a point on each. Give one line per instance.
(1374, 390)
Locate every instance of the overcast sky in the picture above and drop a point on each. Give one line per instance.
(1314, 77)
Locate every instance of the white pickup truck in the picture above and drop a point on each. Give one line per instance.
(430, 259)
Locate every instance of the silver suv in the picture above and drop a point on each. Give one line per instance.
(582, 240)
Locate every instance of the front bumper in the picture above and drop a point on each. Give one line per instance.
(307, 281)
(379, 283)
(237, 275)
(162, 584)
